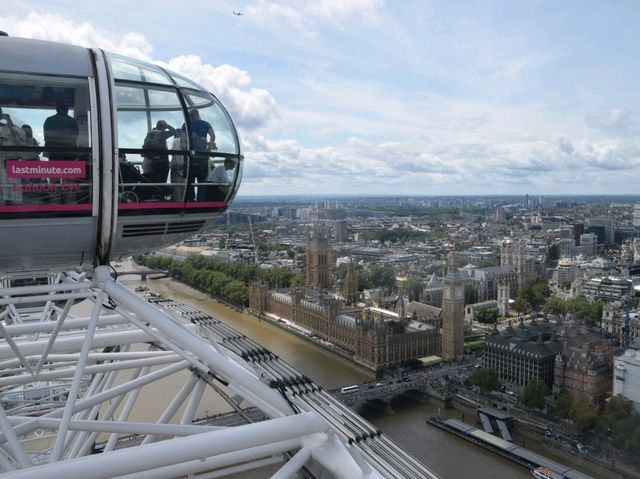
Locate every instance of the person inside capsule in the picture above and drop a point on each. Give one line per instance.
(218, 191)
(155, 166)
(199, 170)
(60, 131)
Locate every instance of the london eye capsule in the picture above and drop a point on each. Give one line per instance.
(103, 156)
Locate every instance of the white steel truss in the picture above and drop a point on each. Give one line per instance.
(82, 356)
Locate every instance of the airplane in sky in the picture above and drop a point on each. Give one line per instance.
(237, 13)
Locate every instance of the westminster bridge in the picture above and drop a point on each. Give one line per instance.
(438, 382)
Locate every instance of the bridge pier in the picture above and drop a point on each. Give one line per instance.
(420, 396)
(381, 405)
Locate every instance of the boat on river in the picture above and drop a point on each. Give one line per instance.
(545, 473)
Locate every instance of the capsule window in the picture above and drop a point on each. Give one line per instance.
(45, 144)
(208, 109)
(152, 163)
(213, 148)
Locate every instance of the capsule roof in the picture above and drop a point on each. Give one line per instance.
(37, 56)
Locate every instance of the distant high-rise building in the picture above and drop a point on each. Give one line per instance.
(500, 216)
(567, 247)
(341, 231)
(636, 218)
(588, 244)
(453, 313)
(608, 226)
(636, 250)
(566, 231)
(626, 255)
(578, 229)
(565, 272)
(526, 202)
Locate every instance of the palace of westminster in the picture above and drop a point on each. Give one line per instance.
(382, 334)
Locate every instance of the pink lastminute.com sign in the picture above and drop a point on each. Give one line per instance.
(46, 169)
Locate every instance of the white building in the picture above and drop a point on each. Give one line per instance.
(626, 375)
(565, 272)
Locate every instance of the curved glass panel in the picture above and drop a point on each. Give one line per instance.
(210, 111)
(45, 144)
(149, 121)
(169, 157)
(127, 69)
(181, 81)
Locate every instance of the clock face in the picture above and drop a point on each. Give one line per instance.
(447, 293)
(459, 293)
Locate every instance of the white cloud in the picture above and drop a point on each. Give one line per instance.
(450, 167)
(611, 119)
(249, 107)
(57, 28)
(470, 121)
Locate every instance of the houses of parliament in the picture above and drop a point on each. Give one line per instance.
(376, 335)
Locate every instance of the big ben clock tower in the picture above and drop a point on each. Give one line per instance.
(452, 313)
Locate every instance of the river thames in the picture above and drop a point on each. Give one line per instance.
(447, 455)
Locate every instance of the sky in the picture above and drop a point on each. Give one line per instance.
(362, 97)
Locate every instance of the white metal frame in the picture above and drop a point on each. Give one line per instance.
(103, 376)
(97, 359)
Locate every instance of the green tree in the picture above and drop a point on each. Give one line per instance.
(534, 294)
(619, 407)
(556, 306)
(562, 404)
(534, 394)
(521, 305)
(413, 286)
(582, 309)
(485, 378)
(236, 292)
(596, 312)
(383, 277)
(583, 416)
(632, 445)
(487, 316)
(363, 281)
(624, 428)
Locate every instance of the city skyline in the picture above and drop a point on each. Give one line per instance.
(366, 97)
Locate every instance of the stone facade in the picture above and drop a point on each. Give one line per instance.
(374, 338)
(613, 321)
(585, 368)
(319, 261)
(578, 360)
(522, 354)
(453, 314)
